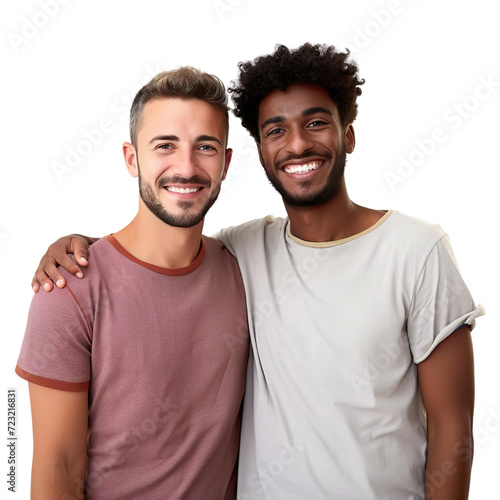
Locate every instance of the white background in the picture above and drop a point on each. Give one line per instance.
(424, 62)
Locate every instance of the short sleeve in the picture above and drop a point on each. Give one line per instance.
(57, 343)
(441, 302)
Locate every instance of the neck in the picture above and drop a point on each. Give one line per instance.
(151, 240)
(335, 219)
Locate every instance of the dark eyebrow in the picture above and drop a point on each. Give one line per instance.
(163, 138)
(274, 119)
(175, 138)
(313, 111)
(211, 138)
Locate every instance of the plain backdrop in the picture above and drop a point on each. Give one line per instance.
(427, 139)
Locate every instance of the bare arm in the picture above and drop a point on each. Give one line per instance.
(446, 382)
(59, 442)
(57, 254)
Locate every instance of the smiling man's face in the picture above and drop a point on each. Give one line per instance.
(302, 144)
(181, 159)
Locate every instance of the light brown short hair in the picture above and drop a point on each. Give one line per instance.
(182, 83)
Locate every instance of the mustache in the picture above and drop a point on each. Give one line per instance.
(177, 179)
(325, 156)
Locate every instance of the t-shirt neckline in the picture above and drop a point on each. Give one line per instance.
(326, 244)
(158, 269)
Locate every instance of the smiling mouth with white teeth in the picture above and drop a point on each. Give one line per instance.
(174, 189)
(304, 168)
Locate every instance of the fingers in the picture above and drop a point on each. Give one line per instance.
(48, 273)
(79, 248)
(35, 285)
(41, 280)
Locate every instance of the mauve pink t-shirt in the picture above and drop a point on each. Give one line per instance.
(163, 354)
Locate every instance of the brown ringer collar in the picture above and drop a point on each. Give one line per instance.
(157, 269)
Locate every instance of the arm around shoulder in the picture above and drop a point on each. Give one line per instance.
(58, 254)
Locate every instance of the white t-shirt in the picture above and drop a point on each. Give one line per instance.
(332, 408)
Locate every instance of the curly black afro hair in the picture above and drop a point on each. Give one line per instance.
(319, 64)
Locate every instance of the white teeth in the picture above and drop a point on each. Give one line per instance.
(182, 190)
(301, 169)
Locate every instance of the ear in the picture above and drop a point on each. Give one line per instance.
(130, 156)
(350, 139)
(227, 161)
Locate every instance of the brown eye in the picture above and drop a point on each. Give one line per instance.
(208, 148)
(275, 131)
(317, 123)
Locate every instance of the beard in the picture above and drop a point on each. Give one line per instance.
(184, 219)
(307, 197)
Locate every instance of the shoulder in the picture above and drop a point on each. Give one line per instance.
(101, 256)
(252, 228)
(410, 245)
(105, 268)
(217, 255)
(221, 267)
(214, 248)
(413, 232)
(415, 227)
(251, 234)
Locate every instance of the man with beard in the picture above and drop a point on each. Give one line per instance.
(356, 316)
(133, 367)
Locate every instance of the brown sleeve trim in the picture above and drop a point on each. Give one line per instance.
(51, 383)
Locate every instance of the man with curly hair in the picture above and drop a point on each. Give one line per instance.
(360, 382)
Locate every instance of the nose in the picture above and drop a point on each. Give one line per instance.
(186, 164)
(298, 141)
